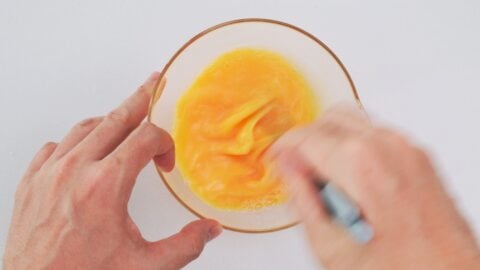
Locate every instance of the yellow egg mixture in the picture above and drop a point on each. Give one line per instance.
(236, 108)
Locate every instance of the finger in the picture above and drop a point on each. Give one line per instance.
(322, 144)
(312, 144)
(328, 239)
(178, 250)
(120, 122)
(288, 141)
(146, 142)
(166, 162)
(42, 155)
(390, 138)
(345, 116)
(341, 118)
(76, 135)
(348, 157)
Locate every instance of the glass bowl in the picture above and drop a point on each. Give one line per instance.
(319, 65)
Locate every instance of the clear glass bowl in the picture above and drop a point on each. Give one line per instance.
(320, 66)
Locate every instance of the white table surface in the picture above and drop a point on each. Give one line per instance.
(416, 65)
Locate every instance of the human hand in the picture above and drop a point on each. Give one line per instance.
(415, 222)
(71, 205)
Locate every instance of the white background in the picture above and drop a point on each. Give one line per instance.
(416, 65)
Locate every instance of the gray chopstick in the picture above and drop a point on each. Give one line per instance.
(344, 211)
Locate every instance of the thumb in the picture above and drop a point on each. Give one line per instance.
(329, 241)
(180, 249)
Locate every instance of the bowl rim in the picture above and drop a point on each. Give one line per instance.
(157, 93)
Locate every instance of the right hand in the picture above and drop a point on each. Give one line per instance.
(415, 222)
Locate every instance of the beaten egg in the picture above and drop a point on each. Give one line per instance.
(234, 110)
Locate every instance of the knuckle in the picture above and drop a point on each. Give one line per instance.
(359, 149)
(86, 123)
(113, 164)
(150, 132)
(196, 247)
(49, 145)
(421, 157)
(330, 117)
(109, 169)
(194, 255)
(83, 193)
(120, 115)
(331, 128)
(363, 156)
(394, 138)
(65, 166)
(332, 111)
(96, 187)
(92, 189)
(68, 161)
(106, 174)
(399, 139)
(63, 169)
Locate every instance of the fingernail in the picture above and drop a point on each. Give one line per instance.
(153, 77)
(214, 231)
(151, 83)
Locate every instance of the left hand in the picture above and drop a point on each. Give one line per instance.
(71, 206)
